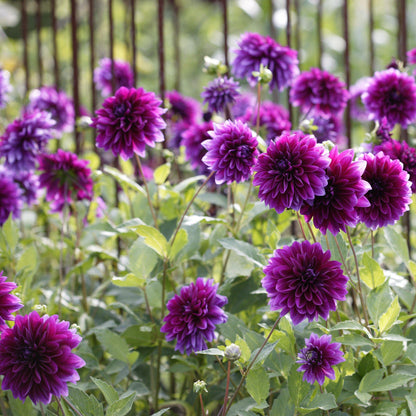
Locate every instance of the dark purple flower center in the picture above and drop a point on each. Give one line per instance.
(394, 96)
(244, 151)
(119, 110)
(313, 356)
(377, 187)
(30, 355)
(329, 193)
(309, 276)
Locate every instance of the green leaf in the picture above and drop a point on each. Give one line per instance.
(154, 293)
(20, 408)
(411, 266)
(122, 406)
(243, 407)
(9, 232)
(212, 351)
(411, 401)
(282, 405)
(324, 401)
(108, 391)
(388, 318)
(123, 179)
(129, 280)
(390, 350)
(298, 388)
(264, 353)
(243, 249)
(142, 259)
(114, 344)
(245, 349)
(87, 405)
(161, 173)
(411, 353)
(377, 301)
(350, 325)
(258, 384)
(372, 274)
(397, 243)
(393, 382)
(154, 239)
(370, 380)
(180, 242)
(160, 412)
(334, 248)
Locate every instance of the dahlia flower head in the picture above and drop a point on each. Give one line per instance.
(391, 94)
(193, 316)
(28, 183)
(304, 282)
(411, 56)
(182, 108)
(220, 93)
(36, 360)
(231, 152)
(403, 152)
(129, 121)
(243, 104)
(318, 358)
(66, 179)
(10, 197)
(358, 110)
(25, 138)
(390, 193)
(345, 191)
(103, 76)
(292, 170)
(384, 131)
(5, 87)
(328, 127)
(58, 104)
(319, 92)
(8, 303)
(255, 50)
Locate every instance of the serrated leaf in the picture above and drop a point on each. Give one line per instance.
(108, 391)
(243, 249)
(142, 259)
(282, 405)
(264, 353)
(411, 353)
(10, 233)
(122, 406)
(154, 239)
(258, 384)
(129, 280)
(298, 388)
(397, 243)
(180, 242)
(114, 344)
(28, 261)
(350, 325)
(88, 405)
(245, 349)
(161, 173)
(20, 408)
(123, 179)
(377, 301)
(388, 318)
(390, 350)
(393, 382)
(372, 274)
(324, 401)
(370, 380)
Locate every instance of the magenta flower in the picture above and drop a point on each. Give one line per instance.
(182, 108)
(232, 152)
(5, 87)
(243, 103)
(303, 281)
(254, 50)
(391, 94)
(129, 121)
(193, 316)
(344, 192)
(291, 171)
(390, 193)
(320, 92)
(8, 303)
(411, 56)
(318, 358)
(328, 128)
(358, 110)
(25, 139)
(36, 359)
(220, 93)
(57, 103)
(10, 197)
(66, 179)
(28, 183)
(103, 76)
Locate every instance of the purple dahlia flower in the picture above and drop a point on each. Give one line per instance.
(57, 103)
(36, 359)
(103, 76)
(391, 94)
(65, 177)
(390, 193)
(254, 50)
(292, 170)
(243, 104)
(383, 132)
(182, 108)
(5, 87)
(25, 139)
(318, 358)
(303, 281)
(320, 92)
(10, 197)
(403, 152)
(411, 56)
(220, 93)
(8, 303)
(328, 128)
(129, 121)
(358, 110)
(231, 152)
(193, 316)
(345, 191)
(28, 183)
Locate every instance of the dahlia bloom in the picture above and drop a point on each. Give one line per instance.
(10, 197)
(383, 132)
(390, 193)
(182, 108)
(318, 358)
(391, 94)
(292, 170)
(25, 138)
(243, 104)
(219, 93)
(328, 128)
(28, 183)
(231, 152)
(411, 56)
(193, 316)
(8, 303)
(273, 118)
(403, 152)
(103, 76)
(345, 191)
(5, 87)
(66, 179)
(129, 121)
(57, 103)
(320, 92)
(36, 359)
(254, 50)
(358, 110)
(303, 281)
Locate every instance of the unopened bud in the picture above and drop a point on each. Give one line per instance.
(307, 126)
(263, 75)
(41, 309)
(200, 387)
(214, 66)
(232, 352)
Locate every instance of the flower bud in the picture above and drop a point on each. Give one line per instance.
(264, 75)
(41, 309)
(214, 66)
(200, 387)
(232, 352)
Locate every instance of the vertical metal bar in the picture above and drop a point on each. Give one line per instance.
(176, 41)
(319, 32)
(289, 42)
(371, 32)
(55, 45)
(402, 30)
(297, 29)
(111, 33)
(92, 53)
(39, 41)
(75, 67)
(25, 46)
(347, 69)
(161, 49)
(224, 7)
(133, 39)
(272, 27)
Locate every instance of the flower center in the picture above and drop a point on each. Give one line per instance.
(377, 187)
(394, 96)
(243, 151)
(119, 110)
(30, 354)
(314, 356)
(309, 276)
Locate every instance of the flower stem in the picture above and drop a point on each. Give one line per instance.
(71, 406)
(258, 108)
(202, 405)
(227, 386)
(300, 225)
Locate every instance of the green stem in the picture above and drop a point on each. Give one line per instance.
(71, 406)
(227, 386)
(301, 225)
